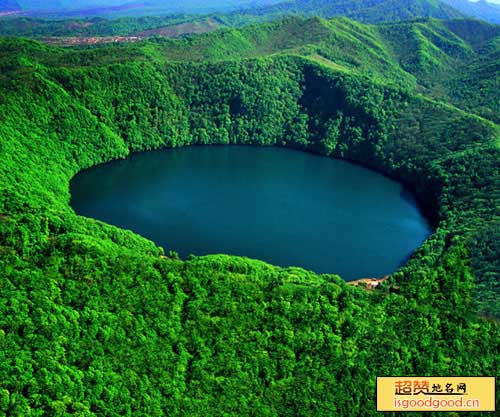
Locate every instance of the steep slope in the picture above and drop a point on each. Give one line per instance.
(340, 42)
(429, 50)
(477, 33)
(455, 61)
(452, 60)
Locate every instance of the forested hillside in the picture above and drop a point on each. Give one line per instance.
(245, 13)
(376, 11)
(97, 26)
(455, 61)
(95, 320)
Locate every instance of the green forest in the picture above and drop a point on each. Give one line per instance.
(377, 11)
(98, 321)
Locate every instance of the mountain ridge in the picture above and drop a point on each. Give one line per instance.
(243, 12)
(376, 11)
(98, 321)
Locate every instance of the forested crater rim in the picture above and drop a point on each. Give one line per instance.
(114, 105)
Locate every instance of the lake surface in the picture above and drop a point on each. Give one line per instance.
(282, 206)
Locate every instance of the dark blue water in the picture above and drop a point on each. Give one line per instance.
(282, 206)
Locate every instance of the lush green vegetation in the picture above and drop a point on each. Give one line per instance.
(455, 61)
(238, 11)
(376, 11)
(97, 26)
(97, 321)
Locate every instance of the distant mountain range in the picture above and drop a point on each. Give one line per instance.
(481, 9)
(9, 6)
(240, 12)
(372, 11)
(140, 6)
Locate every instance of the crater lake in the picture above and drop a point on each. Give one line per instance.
(286, 207)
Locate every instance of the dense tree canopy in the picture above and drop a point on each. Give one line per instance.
(96, 320)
